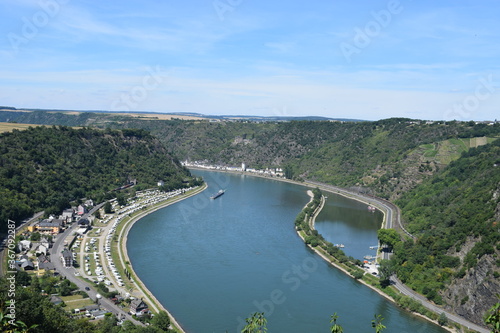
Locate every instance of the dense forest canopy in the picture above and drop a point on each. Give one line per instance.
(455, 216)
(382, 157)
(46, 168)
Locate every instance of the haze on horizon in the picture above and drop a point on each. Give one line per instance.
(365, 59)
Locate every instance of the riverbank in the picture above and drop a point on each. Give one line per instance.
(125, 260)
(388, 221)
(331, 260)
(344, 268)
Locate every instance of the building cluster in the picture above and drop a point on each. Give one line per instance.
(271, 172)
(34, 256)
(55, 225)
(94, 311)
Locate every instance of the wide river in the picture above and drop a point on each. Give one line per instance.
(214, 262)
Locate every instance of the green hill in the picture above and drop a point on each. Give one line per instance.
(386, 157)
(45, 168)
(455, 216)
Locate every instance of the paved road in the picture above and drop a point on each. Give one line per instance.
(409, 292)
(69, 273)
(393, 217)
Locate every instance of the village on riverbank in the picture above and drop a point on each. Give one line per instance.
(86, 246)
(268, 172)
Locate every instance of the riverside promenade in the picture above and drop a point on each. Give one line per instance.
(124, 258)
(111, 249)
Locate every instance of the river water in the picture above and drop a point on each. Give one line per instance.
(348, 222)
(214, 262)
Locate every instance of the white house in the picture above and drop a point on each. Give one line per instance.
(41, 249)
(25, 245)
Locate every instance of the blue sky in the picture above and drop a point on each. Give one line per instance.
(357, 59)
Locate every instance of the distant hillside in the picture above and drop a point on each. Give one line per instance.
(455, 216)
(86, 118)
(386, 157)
(46, 168)
(49, 118)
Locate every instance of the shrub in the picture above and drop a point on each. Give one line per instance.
(442, 320)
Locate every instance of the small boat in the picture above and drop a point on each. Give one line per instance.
(371, 208)
(218, 194)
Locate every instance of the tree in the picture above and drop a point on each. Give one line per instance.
(442, 320)
(65, 288)
(23, 278)
(108, 209)
(35, 284)
(377, 323)
(35, 237)
(492, 318)
(388, 237)
(108, 324)
(121, 199)
(288, 171)
(335, 328)
(255, 324)
(385, 271)
(161, 321)
(127, 326)
(17, 327)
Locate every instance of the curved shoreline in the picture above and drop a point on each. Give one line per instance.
(124, 258)
(328, 259)
(378, 203)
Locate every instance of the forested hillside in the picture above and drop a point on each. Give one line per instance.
(386, 157)
(455, 216)
(46, 168)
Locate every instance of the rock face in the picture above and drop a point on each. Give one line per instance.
(475, 293)
(479, 289)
